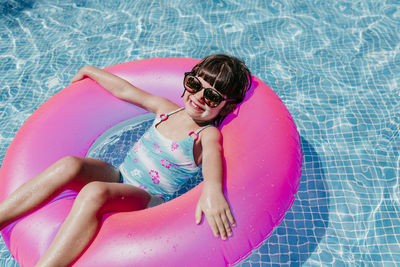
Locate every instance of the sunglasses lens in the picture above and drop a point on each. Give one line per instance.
(212, 98)
(192, 84)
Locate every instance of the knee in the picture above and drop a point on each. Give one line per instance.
(70, 165)
(93, 196)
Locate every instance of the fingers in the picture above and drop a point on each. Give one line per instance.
(198, 214)
(227, 226)
(77, 77)
(81, 74)
(218, 215)
(230, 218)
(213, 225)
(221, 227)
(221, 224)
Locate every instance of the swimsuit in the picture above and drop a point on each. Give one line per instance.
(160, 165)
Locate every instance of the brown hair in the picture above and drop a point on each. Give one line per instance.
(227, 74)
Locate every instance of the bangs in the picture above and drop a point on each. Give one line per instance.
(228, 75)
(219, 76)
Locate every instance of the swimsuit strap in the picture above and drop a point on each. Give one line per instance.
(164, 117)
(175, 111)
(202, 128)
(196, 133)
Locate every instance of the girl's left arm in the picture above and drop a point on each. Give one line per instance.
(212, 201)
(124, 90)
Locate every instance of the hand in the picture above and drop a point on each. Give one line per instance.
(81, 74)
(217, 212)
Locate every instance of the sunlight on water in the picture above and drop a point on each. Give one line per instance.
(335, 64)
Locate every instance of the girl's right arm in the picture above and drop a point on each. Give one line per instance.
(124, 90)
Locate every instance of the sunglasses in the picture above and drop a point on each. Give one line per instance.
(210, 96)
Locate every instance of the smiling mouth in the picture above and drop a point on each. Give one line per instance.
(195, 106)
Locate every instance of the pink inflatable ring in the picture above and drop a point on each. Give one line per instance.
(263, 162)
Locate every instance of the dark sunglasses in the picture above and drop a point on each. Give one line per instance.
(210, 96)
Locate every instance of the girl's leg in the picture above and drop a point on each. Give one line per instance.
(81, 225)
(69, 172)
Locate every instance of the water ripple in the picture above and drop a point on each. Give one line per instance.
(335, 64)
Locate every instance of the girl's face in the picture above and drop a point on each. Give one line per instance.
(197, 109)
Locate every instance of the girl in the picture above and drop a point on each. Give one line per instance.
(180, 140)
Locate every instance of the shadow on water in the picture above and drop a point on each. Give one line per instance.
(13, 8)
(10, 10)
(294, 240)
(298, 235)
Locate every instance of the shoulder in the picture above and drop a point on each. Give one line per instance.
(164, 105)
(211, 134)
(208, 144)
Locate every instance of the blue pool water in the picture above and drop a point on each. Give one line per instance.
(335, 64)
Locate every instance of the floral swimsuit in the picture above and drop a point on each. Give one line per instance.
(160, 165)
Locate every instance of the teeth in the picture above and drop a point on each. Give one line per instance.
(195, 105)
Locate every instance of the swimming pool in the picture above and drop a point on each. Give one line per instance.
(335, 64)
